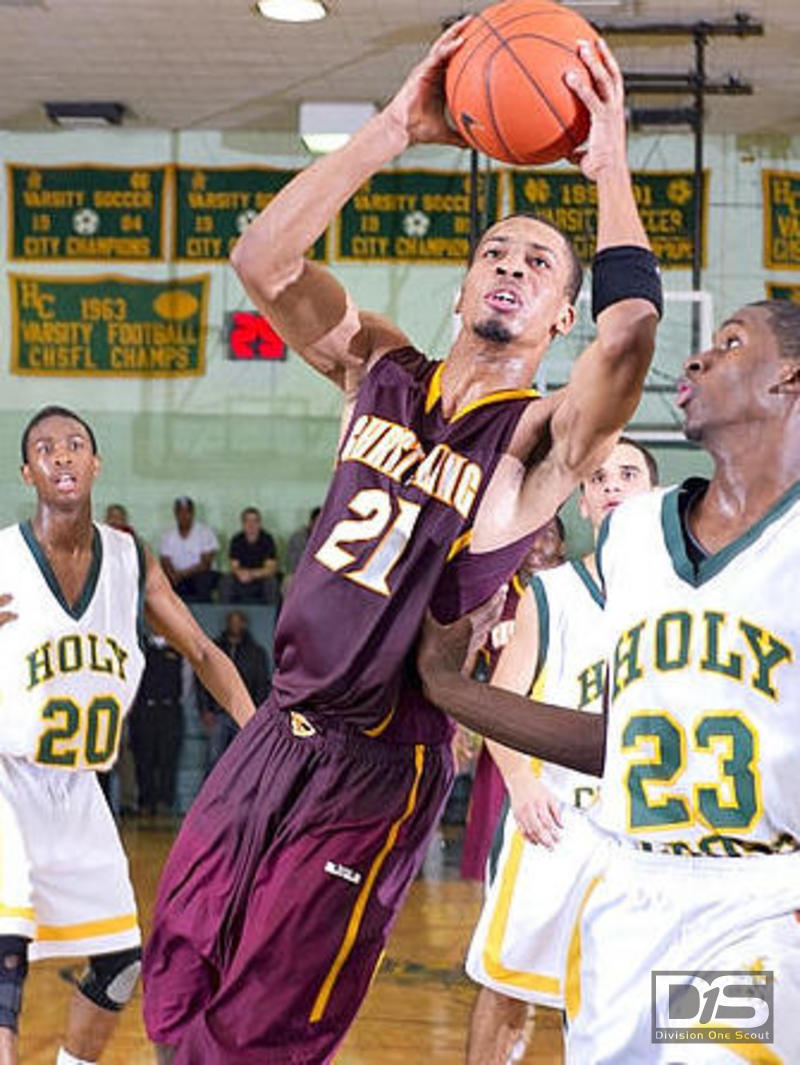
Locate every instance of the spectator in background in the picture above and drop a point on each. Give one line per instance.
(117, 517)
(187, 555)
(250, 658)
(156, 730)
(297, 545)
(254, 565)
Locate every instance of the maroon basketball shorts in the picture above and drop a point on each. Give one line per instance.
(281, 889)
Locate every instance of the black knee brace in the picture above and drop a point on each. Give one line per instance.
(110, 979)
(13, 970)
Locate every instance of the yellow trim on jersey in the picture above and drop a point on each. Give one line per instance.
(353, 925)
(435, 394)
(755, 1053)
(459, 544)
(88, 929)
(496, 397)
(492, 951)
(376, 730)
(434, 388)
(572, 982)
(26, 913)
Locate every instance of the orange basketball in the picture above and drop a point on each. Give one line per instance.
(505, 84)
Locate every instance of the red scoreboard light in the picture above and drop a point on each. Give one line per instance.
(252, 339)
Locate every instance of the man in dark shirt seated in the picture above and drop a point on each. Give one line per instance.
(254, 567)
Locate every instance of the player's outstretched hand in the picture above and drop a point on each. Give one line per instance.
(5, 614)
(446, 648)
(419, 106)
(603, 94)
(536, 810)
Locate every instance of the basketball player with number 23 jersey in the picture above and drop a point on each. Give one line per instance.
(76, 597)
(690, 886)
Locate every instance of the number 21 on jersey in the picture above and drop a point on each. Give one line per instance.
(382, 523)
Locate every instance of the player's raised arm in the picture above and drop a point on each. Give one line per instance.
(607, 380)
(304, 301)
(553, 733)
(171, 618)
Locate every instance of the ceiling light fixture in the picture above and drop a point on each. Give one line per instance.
(324, 127)
(80, 114)
(292, 10)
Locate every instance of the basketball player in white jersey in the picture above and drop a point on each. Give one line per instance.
(76, 598)
(693, 863)
(555, 655)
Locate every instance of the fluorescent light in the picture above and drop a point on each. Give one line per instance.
(324, 126)
(292, 10)
(80, 114)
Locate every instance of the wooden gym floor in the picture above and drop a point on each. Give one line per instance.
(418, 1008)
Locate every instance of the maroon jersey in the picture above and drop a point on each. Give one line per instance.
(404, 496)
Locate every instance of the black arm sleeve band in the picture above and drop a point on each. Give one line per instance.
(625, 272)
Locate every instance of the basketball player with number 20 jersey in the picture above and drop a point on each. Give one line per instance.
(77, 595)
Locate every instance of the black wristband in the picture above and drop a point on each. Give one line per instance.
(625, 272)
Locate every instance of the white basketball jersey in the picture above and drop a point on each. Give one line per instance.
(69, 673)
(703, 749)
(571, 661)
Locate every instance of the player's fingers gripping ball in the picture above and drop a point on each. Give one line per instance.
(505, 85)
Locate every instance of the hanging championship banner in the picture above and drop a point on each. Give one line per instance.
(216, 205)
(781, 220)
(75, 213)
(779, 291)
(108, 326)
(665, 200)
(419, 216)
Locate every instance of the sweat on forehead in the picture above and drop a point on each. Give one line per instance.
(54, 412)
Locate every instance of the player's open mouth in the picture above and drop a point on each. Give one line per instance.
(503, 299)
(683, 393)
(66, 481)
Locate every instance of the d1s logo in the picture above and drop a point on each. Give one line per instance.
(734, 1006)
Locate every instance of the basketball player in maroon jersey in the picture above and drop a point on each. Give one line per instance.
(281, 889)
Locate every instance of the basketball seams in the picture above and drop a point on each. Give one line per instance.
(507, 33)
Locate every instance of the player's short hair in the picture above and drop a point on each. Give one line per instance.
(53, 411)
(647, 455)
(184, 501)
(575, 279)
(784, 320)
(250, 510)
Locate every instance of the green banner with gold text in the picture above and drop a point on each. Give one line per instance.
(108, 326)
(665, 200)
(216, 204)
(413, 216)
(781, 220)
(77, 213)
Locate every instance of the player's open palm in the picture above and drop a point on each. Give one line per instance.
(602, 92)
(536, 810)
(419, 105)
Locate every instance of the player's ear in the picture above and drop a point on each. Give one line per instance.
(566, 319)
(458, 300)
(96, 464)
(25, 470)
(788, 383)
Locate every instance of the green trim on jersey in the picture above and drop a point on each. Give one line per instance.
(85, 598)
(602, 536)
(543, 612)
(497, 839)
(593, 588)
(709, 567)
(140, 626)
